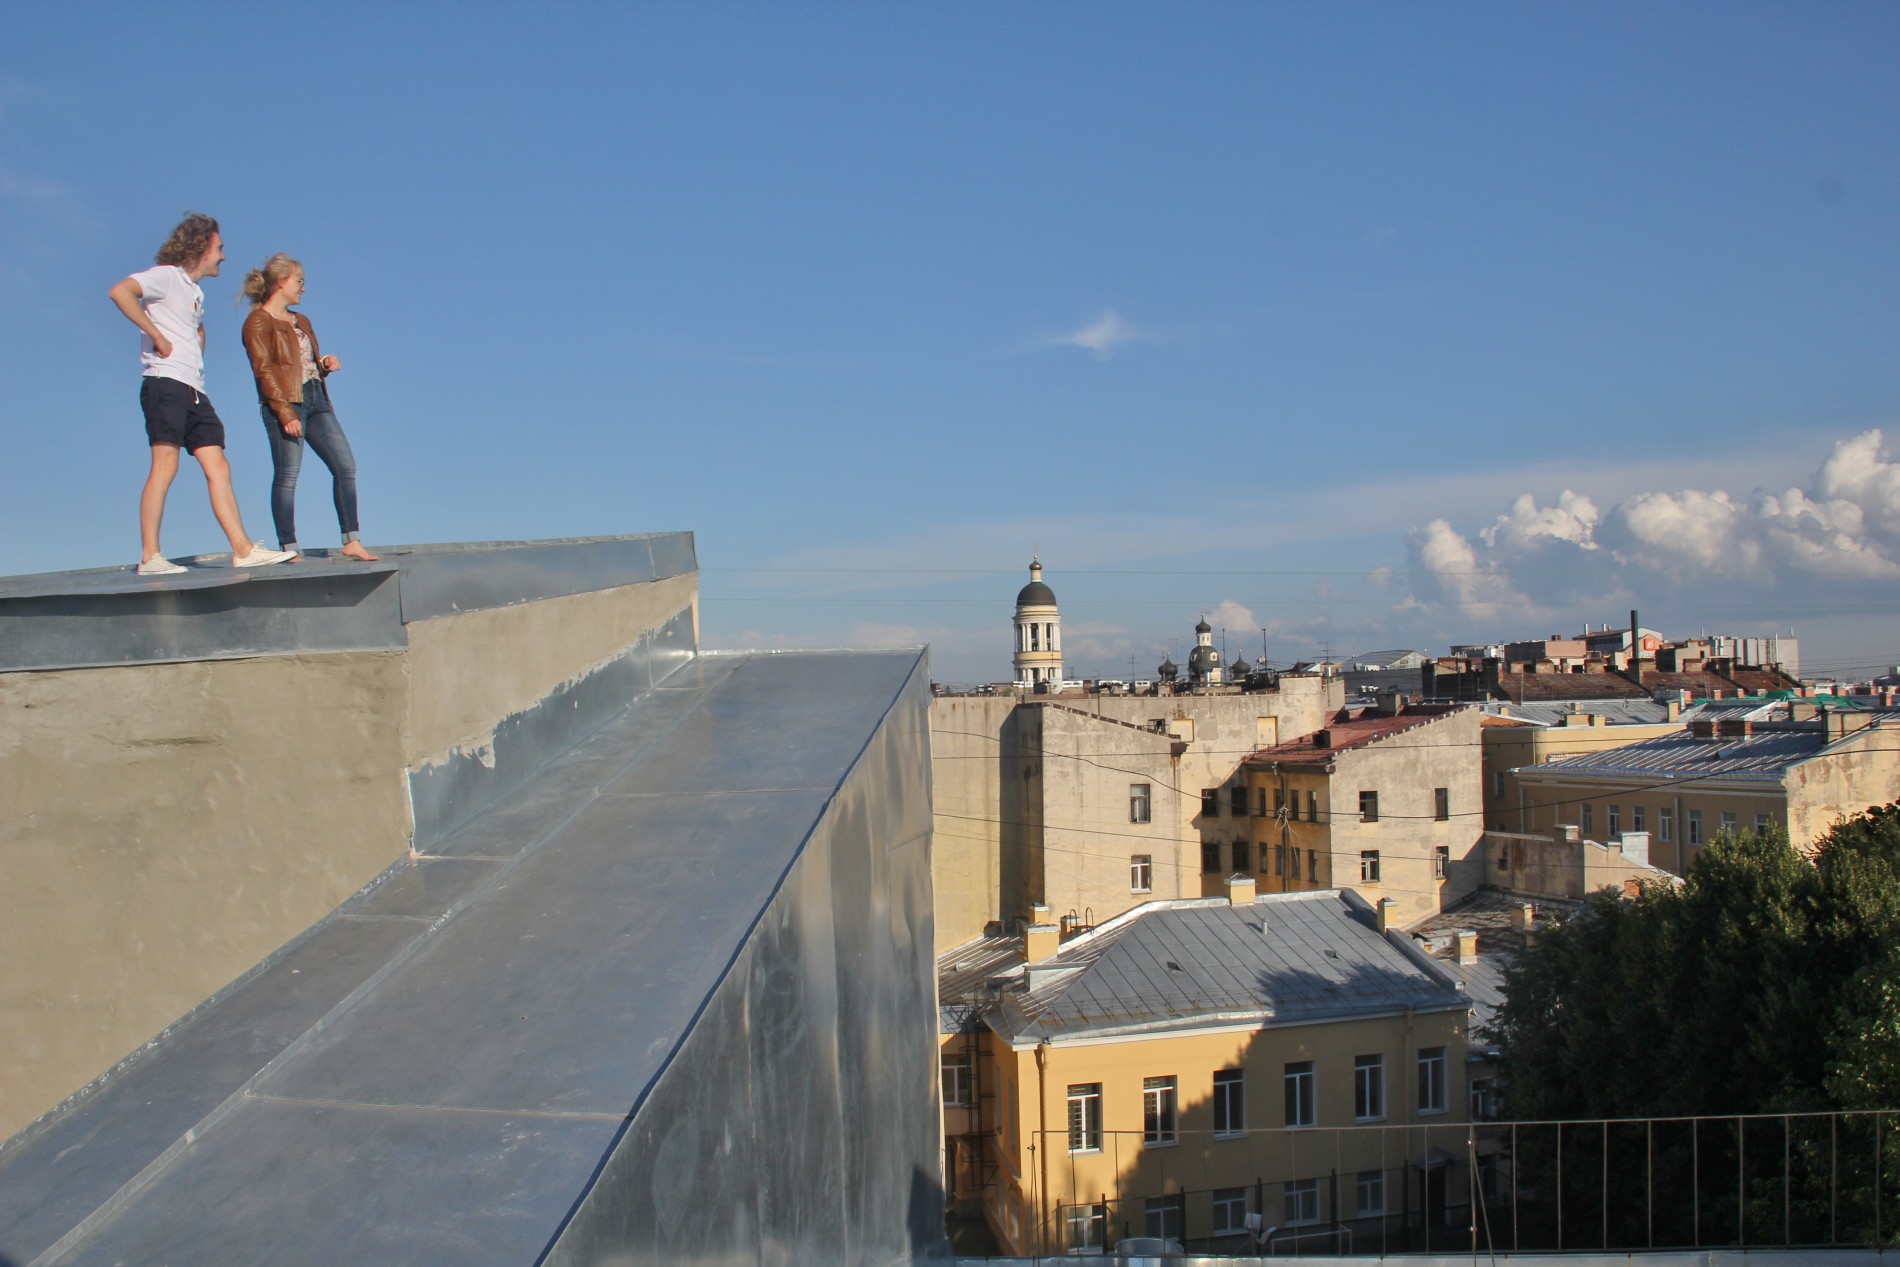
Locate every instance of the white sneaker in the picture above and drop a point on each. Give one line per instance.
(159, 565)
(260, 557)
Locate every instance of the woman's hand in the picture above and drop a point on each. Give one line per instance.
(294, 428)
(330, 364)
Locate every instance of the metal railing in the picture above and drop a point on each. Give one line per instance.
(1751, 1181)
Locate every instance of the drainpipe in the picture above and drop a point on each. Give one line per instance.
(1042, 1133)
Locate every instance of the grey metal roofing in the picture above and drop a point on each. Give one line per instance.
(964, 972)
(440, 1071)
(1488, 914)
(1758, 758)
(1285, 958)
(1617, 712)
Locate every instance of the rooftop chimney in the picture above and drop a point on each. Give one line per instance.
(1240, 889)
(1388, 907)
(1523, 917)
(1042, 938)
(1467, 942)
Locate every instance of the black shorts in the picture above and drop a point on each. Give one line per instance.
(175, 413)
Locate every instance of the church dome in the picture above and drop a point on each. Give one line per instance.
(1035, 594)
(1203, 626)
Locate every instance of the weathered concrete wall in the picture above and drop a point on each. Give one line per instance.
(968, 757)
(163, 827)
(1842, 784)
(1543, 866)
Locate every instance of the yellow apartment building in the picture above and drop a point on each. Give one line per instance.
(1385, 801)
(1197, 1061)
(1519, 736)
(1803, 771)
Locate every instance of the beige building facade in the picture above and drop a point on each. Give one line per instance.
(1387, 804)
(1802, 774)
(1093, 804)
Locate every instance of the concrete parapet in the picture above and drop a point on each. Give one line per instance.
(195, 769)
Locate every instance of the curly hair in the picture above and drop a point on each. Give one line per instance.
(189, 241)
(267, 277)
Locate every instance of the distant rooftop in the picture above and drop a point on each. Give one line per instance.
(1204, 961)
(1759, 757)
(1349, 728)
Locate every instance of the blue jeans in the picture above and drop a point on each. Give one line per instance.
(325, 435)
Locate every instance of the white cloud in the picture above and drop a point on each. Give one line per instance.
(1101, 336)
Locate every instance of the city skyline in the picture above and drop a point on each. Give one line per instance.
(1268, 313)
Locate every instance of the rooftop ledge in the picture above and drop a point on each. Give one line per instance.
(322, 603)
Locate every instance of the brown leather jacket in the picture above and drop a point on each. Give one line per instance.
(278, 362)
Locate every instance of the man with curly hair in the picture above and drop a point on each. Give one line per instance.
(167, 306)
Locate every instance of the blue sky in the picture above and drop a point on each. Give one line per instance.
(1272, 311)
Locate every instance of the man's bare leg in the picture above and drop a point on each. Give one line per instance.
(152, 499)
(223, 500)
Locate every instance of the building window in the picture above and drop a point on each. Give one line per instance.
(1158, 1118)
(1279, 803)
(1141, 873)
(1695, 826)
(1035, 637)
(1210, 802)
(1761, 824)
(1371, 1192)
(1312, 865)
(1279, 860)
(1616, 821)
(1140, 803)
(1312, 806)
(1441, 804)
(1483, 1100)
(1368, 1088)
(1302, 1201)
(1162, 1218)
(1210, 857)
(1368, 807)
(1441, 862)
(1243, 856)
(1085, 1117)
(1639, 818)
(1260, 804)
(1299, 1093)
(1589, 819)
(1230, 1103)
(1728, 821)
(957, 1078)
(1431, 1080)
(1293, 807)
(1230, 1210)
(1368, 866)
(1665, 825)
(1237, 800)
(1497, 783)
(1084, 1225)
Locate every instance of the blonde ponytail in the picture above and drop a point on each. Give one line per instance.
(262, 281)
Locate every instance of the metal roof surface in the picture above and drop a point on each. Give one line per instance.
(1285, 957)
(436, 1072)
(1757, 758)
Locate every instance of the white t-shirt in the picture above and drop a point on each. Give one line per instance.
(177, 307)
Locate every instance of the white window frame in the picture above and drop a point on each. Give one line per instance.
(1085, 1117)
(1141, 873)
(1639, 818)
(1666, 825)
(1589, 819)
(1140, 802)
(1728, 821)
(958, 1079)
(1161, 1217)
(1302, 1095)
(1160, 1112)
(1300, 1202)
(1613, 822)
(1230, 1210)
(1441, 862)
(1371, 1192)
(1230, 1103)
(1368, 1088)
(1368, 866)
(1084, 1226)
(1432, 1073)
(1695, 827)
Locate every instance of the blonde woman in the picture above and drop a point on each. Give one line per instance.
(290, 372)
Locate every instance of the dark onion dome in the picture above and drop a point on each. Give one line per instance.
(1036, 594)
(1239, 667)
(1203, 627)
(1168, 667)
